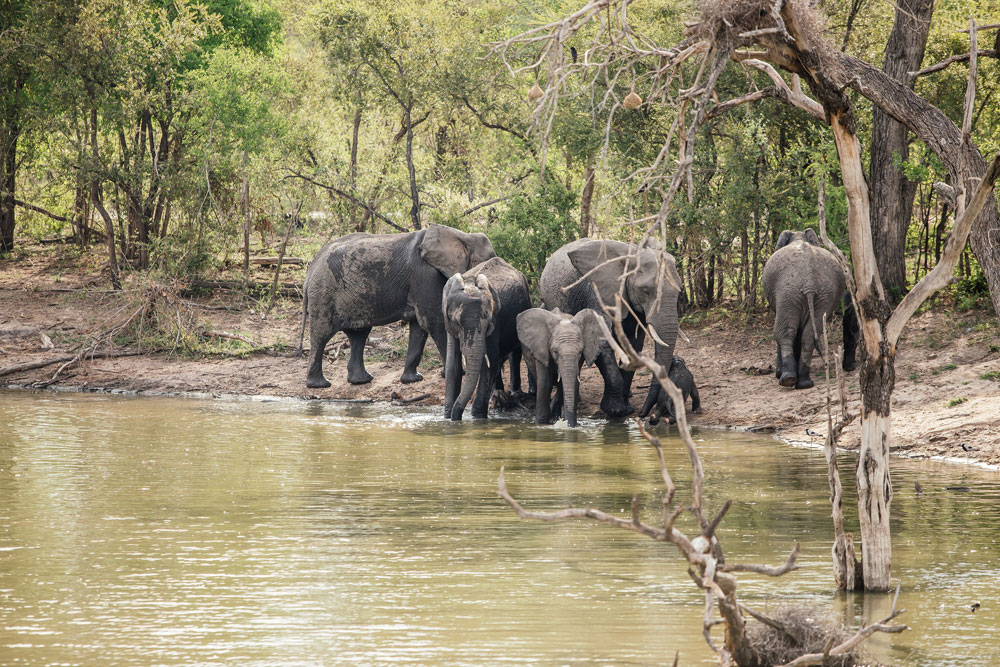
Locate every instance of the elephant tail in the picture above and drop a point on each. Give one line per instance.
(302, 328)
(812, 322)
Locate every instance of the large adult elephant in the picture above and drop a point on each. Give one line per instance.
(802, 283)
(361, 280)
(555, 346)
(480, 310)
(651, 291)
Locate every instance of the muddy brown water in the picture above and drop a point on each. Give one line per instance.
(141, 531)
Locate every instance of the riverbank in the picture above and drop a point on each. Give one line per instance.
(946, 402)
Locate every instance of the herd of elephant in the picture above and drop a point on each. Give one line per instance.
(451, 285)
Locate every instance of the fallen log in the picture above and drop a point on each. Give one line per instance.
(232, 336)
(32, 365)
(271, 261)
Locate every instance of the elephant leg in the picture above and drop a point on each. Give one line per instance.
(544, 388)
(452, 375)
(515, 371)
(556, 408)
(637, 337)
(613, 403)
(356, 373)
(695, 399)
(441, 343)
(321, 330)
(805, 353)
(777, 363)
(414, 351)
(487, 381)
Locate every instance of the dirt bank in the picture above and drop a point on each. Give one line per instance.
(946, 402)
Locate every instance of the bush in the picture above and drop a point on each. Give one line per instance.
(533, 226)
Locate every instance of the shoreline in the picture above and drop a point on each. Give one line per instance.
(772, 432)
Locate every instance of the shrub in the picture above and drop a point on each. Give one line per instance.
(533, 226)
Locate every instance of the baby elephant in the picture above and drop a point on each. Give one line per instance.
(480, 308)
(555, 345)
(681, 376)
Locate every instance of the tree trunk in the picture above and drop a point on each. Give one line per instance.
(585, 200)
(245, 203)
(411, 170)
(891, 192)
(95, 198)
(8, 183)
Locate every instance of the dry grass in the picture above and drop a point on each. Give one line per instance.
(809, 629)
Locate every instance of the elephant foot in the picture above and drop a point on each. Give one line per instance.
(849, 365)
(805, 383)
(616, 409)
(317, 383)
(479, 415)
(410, 376)
(787, 380)
(360, 377)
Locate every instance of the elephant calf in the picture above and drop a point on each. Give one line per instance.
(480, 310)
(802, 283)
(681, 376)
(555, 345)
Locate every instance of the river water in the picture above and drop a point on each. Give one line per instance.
(156, 531)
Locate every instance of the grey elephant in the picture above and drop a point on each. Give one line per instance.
(652, 286)
(802, 283)
(361, 280)
(480, 309)
(555, 345)
(681, 376)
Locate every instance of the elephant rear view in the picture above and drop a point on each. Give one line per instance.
(480, 309)
(802, 283)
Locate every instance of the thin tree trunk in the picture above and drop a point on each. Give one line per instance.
(245, 203)
(95, 198)
(891, 192)
(8, 183)
(411, 170)
(355, 132)
(585, 201)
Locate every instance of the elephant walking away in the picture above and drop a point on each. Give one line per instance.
(652, 287)
(555, 346)
(802, 283)
(480, 309)
(362, 280)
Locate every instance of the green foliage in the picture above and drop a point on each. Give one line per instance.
(993, 376)
(956, 401)
(533, 225)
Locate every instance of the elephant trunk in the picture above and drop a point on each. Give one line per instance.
(664, 323)
(569, 373)
(473, 367)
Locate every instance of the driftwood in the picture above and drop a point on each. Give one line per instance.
(271, 261)
(32, 365)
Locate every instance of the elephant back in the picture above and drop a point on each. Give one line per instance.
(801, 267)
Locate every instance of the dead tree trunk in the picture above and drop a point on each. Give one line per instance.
(891, 192)
(585, 201)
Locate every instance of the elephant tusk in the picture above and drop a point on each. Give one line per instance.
(683, 335)
(656, 336)
(486, 358)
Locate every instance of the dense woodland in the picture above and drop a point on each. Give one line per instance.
(175, 136)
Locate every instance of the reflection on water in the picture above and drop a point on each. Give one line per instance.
(174, 532)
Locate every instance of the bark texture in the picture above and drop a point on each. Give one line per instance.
(891, 192)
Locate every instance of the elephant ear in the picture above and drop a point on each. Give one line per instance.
(591, 260)
(811, 237)
(489, 296)
(589, 322)
(784, 239)
(534, 330)
(442, 247)
(455, 283)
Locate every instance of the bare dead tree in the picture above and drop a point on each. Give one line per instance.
(773, 35)
(707, 564)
